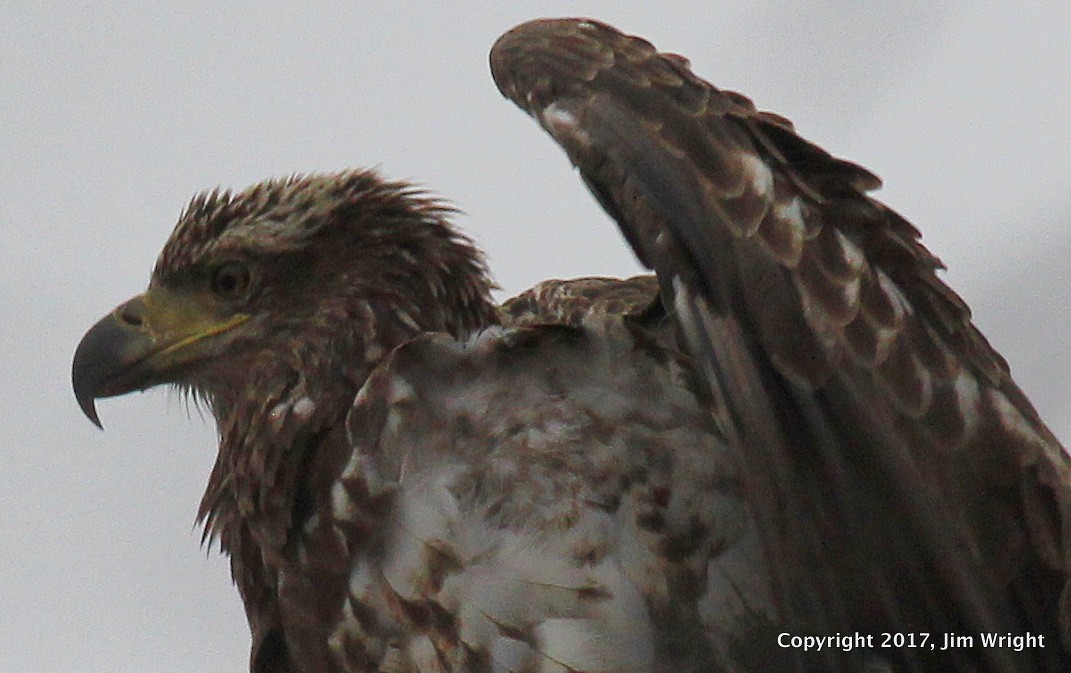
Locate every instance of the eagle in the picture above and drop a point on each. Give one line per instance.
(789, 449)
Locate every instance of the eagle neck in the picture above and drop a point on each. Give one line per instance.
(277, 410)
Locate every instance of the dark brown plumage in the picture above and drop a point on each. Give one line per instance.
(794, 429)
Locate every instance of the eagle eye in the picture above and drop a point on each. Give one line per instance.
(231, 280)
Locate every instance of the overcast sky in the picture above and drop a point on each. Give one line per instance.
(112, 115)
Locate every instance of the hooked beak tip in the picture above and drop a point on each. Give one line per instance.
(89, 408)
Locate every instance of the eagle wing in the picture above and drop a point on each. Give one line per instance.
(900, 480)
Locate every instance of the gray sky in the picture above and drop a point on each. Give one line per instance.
(114, 114)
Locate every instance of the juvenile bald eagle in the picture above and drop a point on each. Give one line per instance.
(795, 430)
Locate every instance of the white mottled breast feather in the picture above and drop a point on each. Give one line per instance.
(559, 503)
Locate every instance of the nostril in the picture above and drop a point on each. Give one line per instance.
(130, 314)
(130, 318)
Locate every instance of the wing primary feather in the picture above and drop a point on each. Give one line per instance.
(751, 427)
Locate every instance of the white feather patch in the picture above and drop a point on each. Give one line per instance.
(342, 505)
(758, 174)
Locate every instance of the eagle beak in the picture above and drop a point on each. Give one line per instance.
(144, 342)
(105, 362)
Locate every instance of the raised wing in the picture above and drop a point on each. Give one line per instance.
(901, 481)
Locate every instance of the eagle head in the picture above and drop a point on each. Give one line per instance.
(313, 277)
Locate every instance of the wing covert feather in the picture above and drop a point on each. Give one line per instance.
(870, 414)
